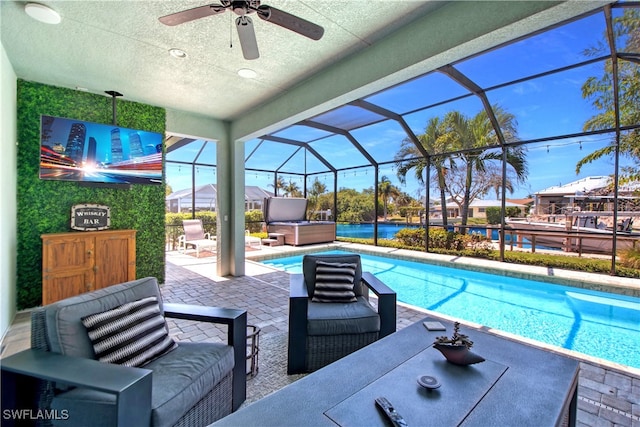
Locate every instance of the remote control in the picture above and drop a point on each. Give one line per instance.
(390, 412)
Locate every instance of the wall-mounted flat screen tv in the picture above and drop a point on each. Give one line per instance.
(74, 150)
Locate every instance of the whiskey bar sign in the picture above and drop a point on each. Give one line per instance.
(90, 217)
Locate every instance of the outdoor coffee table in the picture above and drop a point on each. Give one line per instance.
(517, 385)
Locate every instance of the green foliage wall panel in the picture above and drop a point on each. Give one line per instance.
(45, 206)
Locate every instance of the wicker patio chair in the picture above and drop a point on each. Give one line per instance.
(326, 326)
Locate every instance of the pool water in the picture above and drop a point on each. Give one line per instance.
(389, 230)
(585, 321)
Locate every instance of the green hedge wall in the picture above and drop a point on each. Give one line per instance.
(45, 206)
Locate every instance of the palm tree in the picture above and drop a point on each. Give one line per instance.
(478, 132)
(467, 174)
(280, 184)
(317, 188)
(387, 191)
(495, 184)
(292, 190)
(433, 142)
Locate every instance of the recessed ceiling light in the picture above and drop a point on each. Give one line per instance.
(247, 73)
(42, 13)
(177, 53)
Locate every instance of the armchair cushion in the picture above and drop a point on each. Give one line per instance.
(180, 379)
(334, 282)
(342, 318)
(132, 334)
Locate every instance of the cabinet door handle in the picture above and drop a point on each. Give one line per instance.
(95, 268)
(89, 252)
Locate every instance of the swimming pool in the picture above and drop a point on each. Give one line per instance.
(576, 319)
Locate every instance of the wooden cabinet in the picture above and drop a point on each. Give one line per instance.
(83, 261)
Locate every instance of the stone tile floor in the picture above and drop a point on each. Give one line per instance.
(607, 397)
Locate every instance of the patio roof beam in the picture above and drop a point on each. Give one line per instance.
(277, 170)
(269, 171)
(631, 57)
(193, 179)
(611, 39)
(344, 133)
(182, 162)
(181, 143)
(300, 144)
(195, 159)
(254, 150)
(516, 81)
(547, 73)
(457, 76)
(392, 116)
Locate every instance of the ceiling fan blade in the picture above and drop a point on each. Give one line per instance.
(192, 14)
(247, 37)
(291, 22)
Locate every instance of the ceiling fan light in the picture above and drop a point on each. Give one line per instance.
(247, 73)
(177, 53)
(42, 13)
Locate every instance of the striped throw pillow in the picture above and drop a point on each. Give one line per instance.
(334, 282)
(132, 334)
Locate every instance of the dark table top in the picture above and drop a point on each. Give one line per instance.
(518, 385)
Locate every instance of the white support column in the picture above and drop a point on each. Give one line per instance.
(238, 207)
(230, 216)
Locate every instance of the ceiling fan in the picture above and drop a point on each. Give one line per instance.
(244, 24)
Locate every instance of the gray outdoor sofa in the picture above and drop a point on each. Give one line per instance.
(192, 384)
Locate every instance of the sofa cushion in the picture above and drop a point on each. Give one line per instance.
(334, 282)
(342, 318)
(132, 334)
(181, 378)
(66, 333)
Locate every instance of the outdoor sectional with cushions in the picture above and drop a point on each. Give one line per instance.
(328, 325)
(184, 384)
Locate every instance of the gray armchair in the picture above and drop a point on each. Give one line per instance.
(192, 384)
(323, 330)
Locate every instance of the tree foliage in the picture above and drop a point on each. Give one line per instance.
(599, 90)
(313, 196)
(355, 206)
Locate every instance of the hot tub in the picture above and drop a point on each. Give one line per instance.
(286, 215)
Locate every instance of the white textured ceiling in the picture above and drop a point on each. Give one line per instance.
(121, 45)
(368, 45)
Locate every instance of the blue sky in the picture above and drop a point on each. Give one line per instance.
(548, 106)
